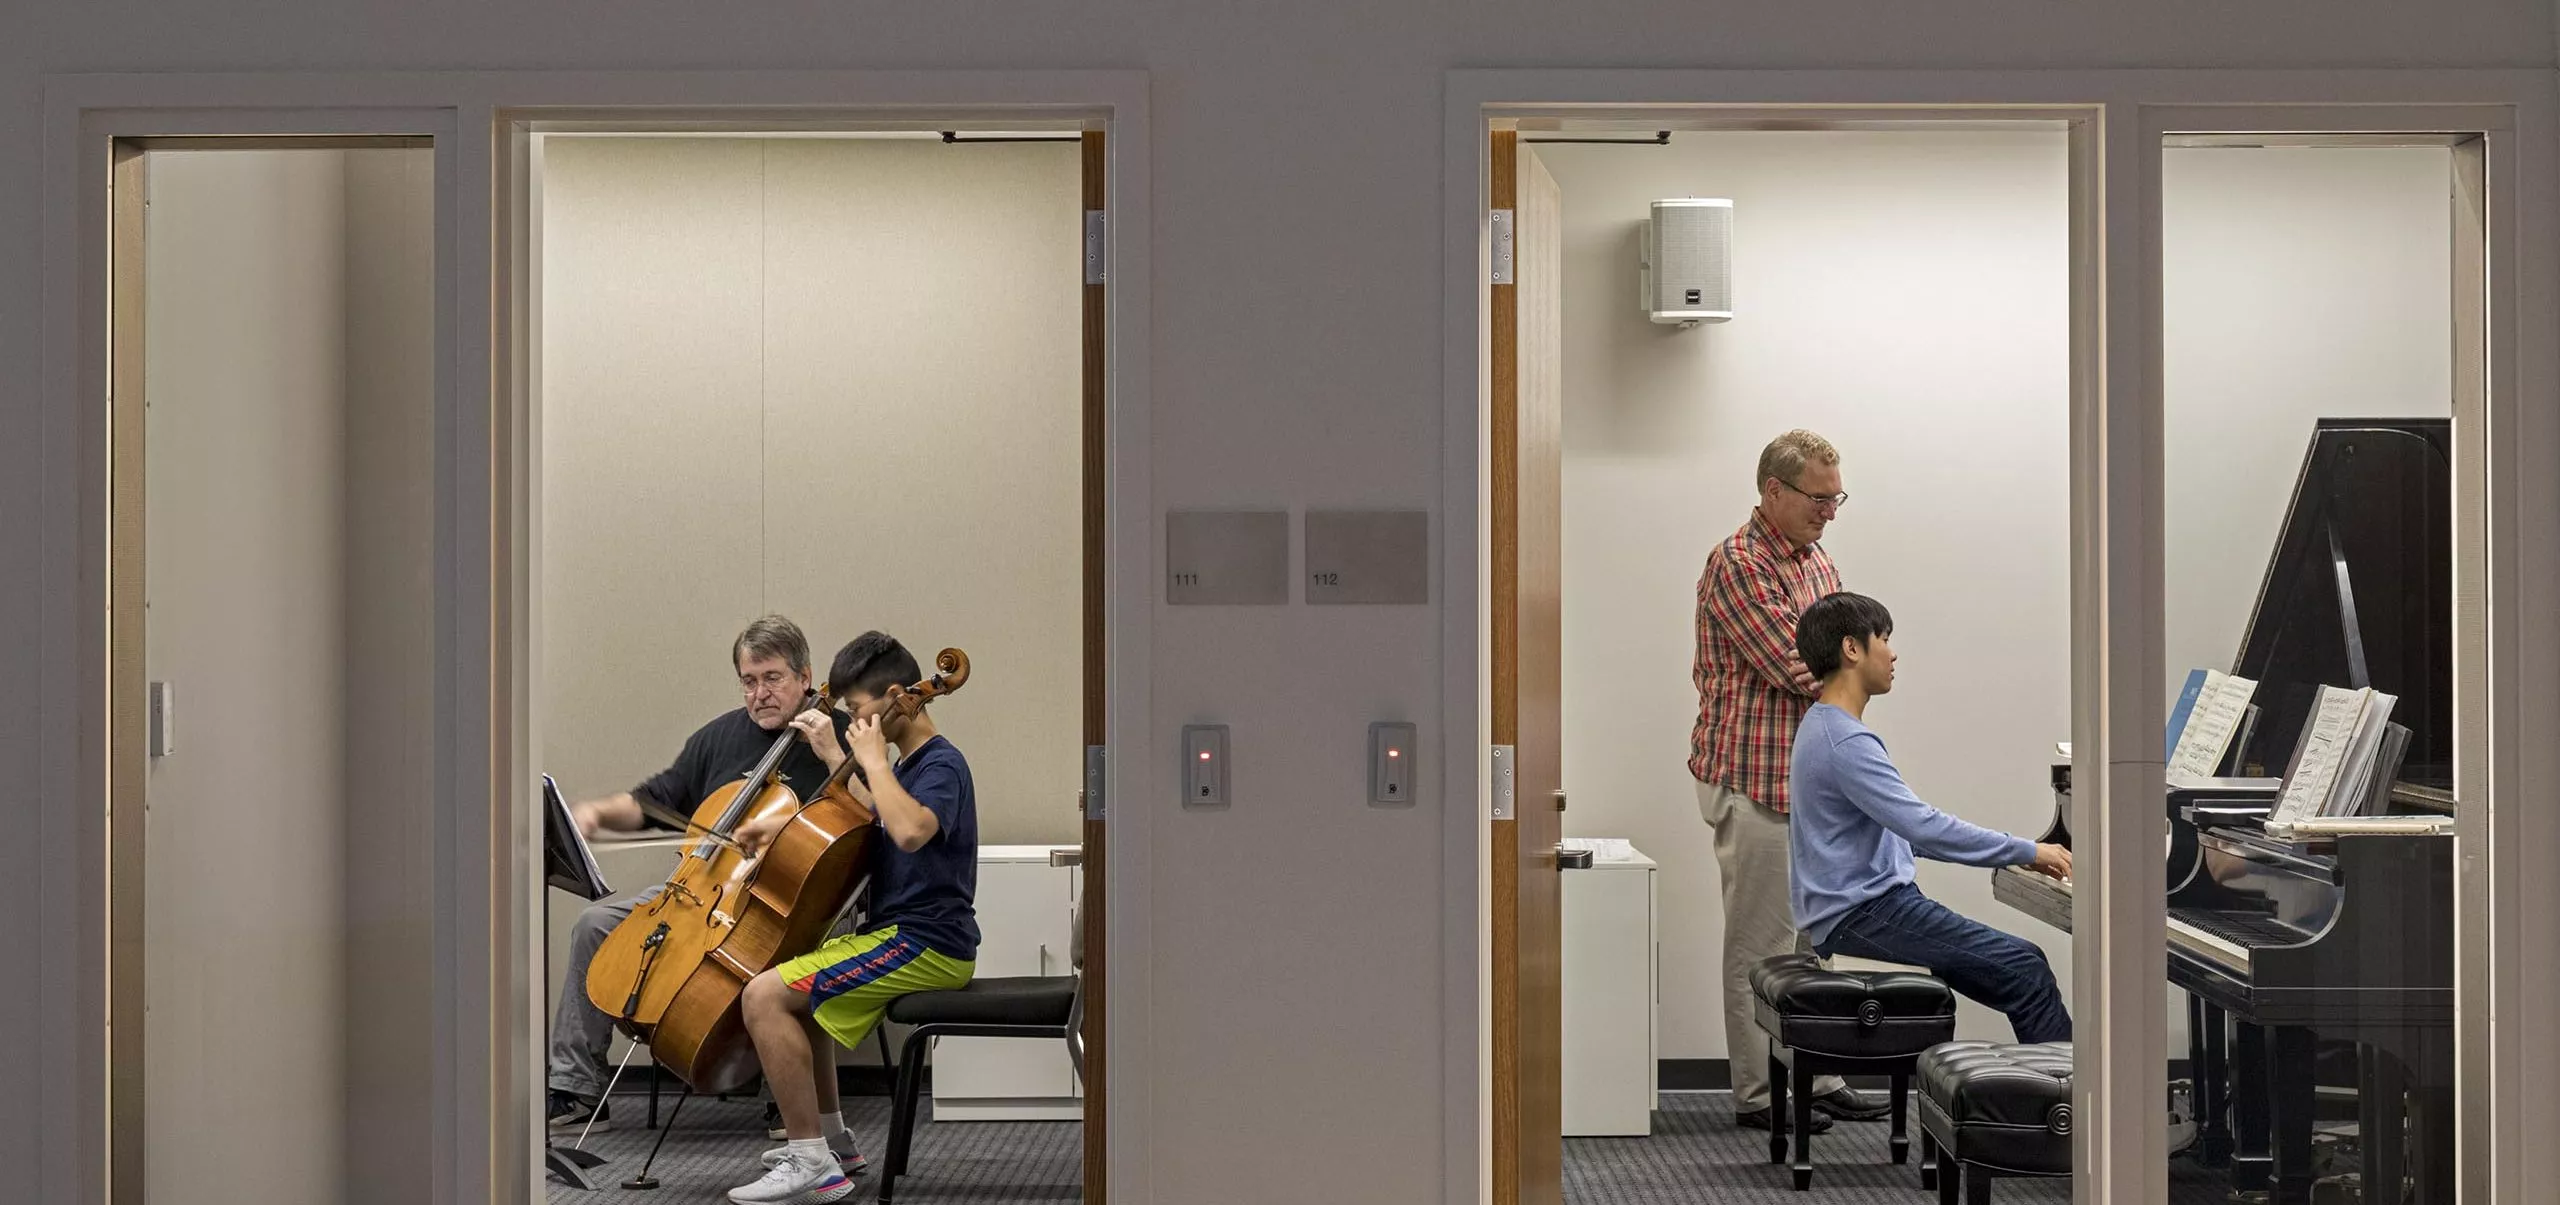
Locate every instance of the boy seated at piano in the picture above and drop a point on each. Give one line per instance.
(1855, 825)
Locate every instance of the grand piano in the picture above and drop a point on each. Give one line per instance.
(2321, 966)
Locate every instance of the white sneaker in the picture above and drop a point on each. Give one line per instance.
(794, 1181)
(2182, 1133)
(848, 1160)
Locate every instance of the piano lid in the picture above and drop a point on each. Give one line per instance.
(2359, 591)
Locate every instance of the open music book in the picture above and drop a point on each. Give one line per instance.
(2209, 709)
(2201, 724)
(2339, 766)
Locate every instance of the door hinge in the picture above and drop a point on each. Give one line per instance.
(1502, 246)
(1505, 784)
(1097, 266)
(1097, 761)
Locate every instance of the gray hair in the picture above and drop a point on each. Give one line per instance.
(773, 636)
(1786, 455)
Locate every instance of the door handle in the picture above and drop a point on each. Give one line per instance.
(1559, 799)
(1572, 859)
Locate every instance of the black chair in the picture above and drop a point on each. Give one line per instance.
(1995, 1109)
(1048, 1007)
(1843, 1022)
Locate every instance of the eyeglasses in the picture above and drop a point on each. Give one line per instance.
(1834, 501)
(774, 680)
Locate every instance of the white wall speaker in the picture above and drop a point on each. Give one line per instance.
(1684, 270)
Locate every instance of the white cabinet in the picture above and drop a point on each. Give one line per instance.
(1026, 912)
(1611, 986)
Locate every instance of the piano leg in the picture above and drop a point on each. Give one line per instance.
(2431, 1129)
(2249, 1158)
(2291, 1115)
(2381, 1108)
(2211, 1027)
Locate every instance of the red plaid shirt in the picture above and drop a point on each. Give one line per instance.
(1752, 687)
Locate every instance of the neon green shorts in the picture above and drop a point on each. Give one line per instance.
(850, 979)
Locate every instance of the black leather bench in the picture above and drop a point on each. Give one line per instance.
(1843, 1022)
(1992, 1109)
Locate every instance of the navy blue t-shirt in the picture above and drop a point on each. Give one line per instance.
(929, 894)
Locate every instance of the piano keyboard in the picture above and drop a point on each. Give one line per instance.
(2205, 945)
(2226, 938)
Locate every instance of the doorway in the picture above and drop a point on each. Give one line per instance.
(1910, 287)
(271, 352)
(772, 325)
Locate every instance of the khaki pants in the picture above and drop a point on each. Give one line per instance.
(1751, 854)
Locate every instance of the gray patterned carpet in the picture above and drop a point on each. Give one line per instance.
(1695, 1154)
(714, 1146)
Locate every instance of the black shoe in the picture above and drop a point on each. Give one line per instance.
(570, 1111)
(1758, 1119)
(1848, 1104)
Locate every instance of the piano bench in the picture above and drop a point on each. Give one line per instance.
(1992, 1109)
(1843, 1022)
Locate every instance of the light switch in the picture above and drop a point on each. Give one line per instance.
(1204, 766)
(1391, 755)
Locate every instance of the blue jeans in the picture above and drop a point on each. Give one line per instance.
(1980, 962)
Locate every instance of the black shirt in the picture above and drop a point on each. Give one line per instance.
(722, 752)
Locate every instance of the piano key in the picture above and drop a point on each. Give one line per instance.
(2205, 945)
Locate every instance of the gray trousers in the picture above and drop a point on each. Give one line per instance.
(581, 1032)
(1751, 854)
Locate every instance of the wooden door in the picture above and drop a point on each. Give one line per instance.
(1527, 666)
(1096, 465)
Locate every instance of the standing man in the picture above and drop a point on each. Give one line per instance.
(1753, 691)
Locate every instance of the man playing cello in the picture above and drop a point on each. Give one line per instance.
(772, 660)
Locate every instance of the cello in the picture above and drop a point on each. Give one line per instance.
(673, 973)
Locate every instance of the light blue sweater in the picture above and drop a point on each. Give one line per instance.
(1853, 824)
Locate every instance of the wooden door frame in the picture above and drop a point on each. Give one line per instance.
(2118, 587)
(484, 1136)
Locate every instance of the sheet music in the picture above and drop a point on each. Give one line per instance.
(2386, 771)
(564, 829)
(2321, 755)
(2214, 717)
(2362, 751)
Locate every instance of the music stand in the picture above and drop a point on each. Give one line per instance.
(568, 864)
